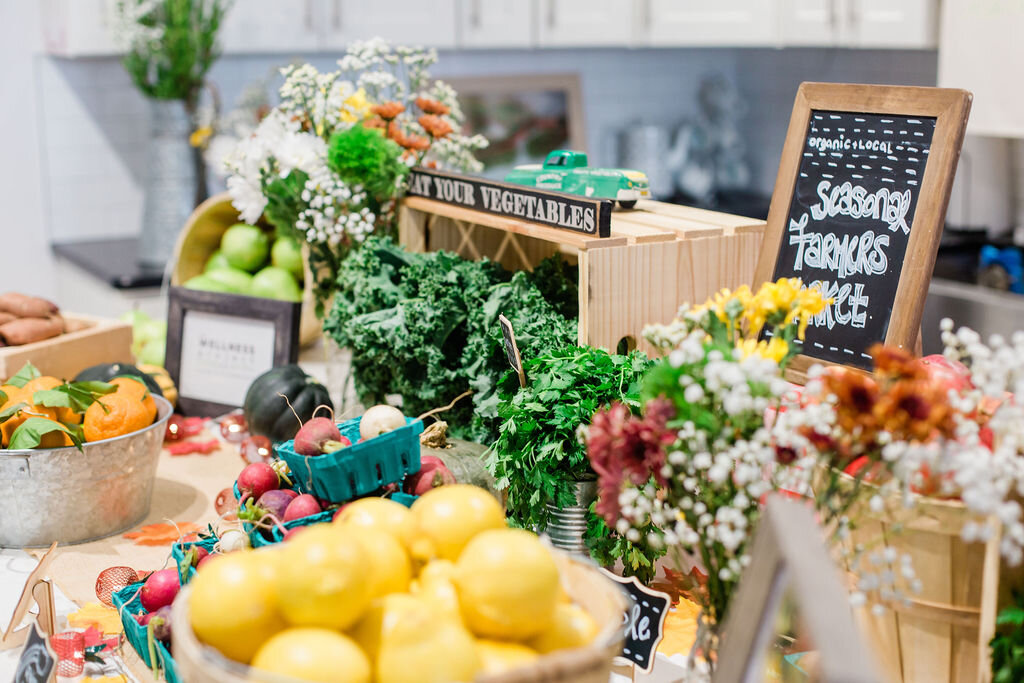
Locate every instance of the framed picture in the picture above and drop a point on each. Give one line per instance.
(790, 618)
(524, 117)
(217, 344)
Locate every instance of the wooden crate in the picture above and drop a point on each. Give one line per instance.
(92, 341)
(657, 258)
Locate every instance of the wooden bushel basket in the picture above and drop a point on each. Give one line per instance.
(941, 634)
(603, 599)
(201, 237)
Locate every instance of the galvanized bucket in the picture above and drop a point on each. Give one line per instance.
(567, 525)
(72, 496)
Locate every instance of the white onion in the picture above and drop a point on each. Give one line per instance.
(380, 419)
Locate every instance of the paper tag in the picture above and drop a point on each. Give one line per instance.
(511, 350)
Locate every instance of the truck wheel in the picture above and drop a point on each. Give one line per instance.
(627, 205)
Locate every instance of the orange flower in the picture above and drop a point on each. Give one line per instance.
(388, 110)
(431, 106)
(857, 396)
(915, 410)
(416, 143)
(435, 126)
(375, 122)
(892, 363)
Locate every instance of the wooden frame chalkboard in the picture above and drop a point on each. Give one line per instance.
(883, 156)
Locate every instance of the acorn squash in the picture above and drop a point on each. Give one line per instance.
(267, 412)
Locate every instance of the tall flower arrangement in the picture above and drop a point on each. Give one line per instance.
(328, 163)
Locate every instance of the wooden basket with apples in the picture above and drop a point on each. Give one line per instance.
(249, 261)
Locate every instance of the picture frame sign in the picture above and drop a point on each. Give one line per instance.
(643, 622)
(858, 210)
(217, 344)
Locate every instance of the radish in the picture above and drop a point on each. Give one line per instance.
(256, 479)
(276, 502)
(160, 589)
(206, 560)
(232, 540)
(303, 506)
(428, 478)
(380, 419)
(197, 554)
(291, 533)
(143, 619)
(318, 436)
(161, 620)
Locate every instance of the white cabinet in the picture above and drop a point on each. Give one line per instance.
(496, 23)
(400, 22)
(271, 26)
(909, 24)
(77, 28)
(704, 23)
(585, 23)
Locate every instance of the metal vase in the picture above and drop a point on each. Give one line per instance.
(170, 189)
(567, 525)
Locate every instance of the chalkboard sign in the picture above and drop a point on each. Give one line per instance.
(858, 209)
(511, 349)
(37, 661)
(643, 621)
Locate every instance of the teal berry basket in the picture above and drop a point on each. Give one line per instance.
(358, 469)
(129, 604)
(178, 551)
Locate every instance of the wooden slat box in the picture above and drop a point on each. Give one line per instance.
(92, 341)
(657, 258)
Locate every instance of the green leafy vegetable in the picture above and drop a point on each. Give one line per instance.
(3, 397)
(1008, 644)
(10, 411)
(364, 156)
(31, 432)
(27, 373)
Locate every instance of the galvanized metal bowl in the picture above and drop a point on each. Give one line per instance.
(72, 496)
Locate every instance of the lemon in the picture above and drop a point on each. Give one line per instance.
(448, 517)
(410, 642)
(379, 514)
(497, 656)
(571, 627)
(322, 578)
(233, 604)
(435, 586)
(507, 584)
(389, 569)
(314, 654)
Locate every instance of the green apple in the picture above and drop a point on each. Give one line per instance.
(245, 246)
(286, 253)
(237, 281)
(216, 260)
(205, 283)
(152, 352)
(275, 283)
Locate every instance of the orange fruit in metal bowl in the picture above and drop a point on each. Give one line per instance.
(65, 415)
(116, 414)
(135, 387)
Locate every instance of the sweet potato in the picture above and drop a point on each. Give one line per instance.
(28, 330)
(25, 306)
(6, 317)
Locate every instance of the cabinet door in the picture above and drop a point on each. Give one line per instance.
(809, 22)
(718, 23)
(585, 23)
(496, 23)
(77, 28)
(271, 26)
(400, 22)
(892, 23)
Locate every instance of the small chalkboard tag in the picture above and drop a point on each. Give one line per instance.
(643, 622)
(37, 660)
(511, 350)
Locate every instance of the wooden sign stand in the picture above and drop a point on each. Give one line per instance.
(40, 591)
(868, 167)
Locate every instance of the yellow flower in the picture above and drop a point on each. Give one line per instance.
(355, 107)
(774, 349)
(200, 136)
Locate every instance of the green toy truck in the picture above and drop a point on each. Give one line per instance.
(566, 171)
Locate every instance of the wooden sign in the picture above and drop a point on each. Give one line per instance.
(789, 560)
(40, 591)
(217, 344)
(643, 621)
(556, 209)
(858, 209)
(511, 349)
(37, 661)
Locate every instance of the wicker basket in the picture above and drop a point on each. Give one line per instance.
(941, 634)
(201, 237)
(599, 595)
